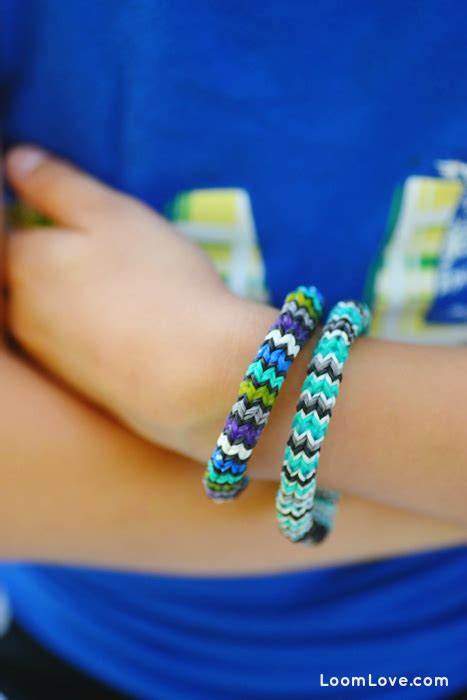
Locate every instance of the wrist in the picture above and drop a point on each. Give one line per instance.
(176, 389)
(241, 327)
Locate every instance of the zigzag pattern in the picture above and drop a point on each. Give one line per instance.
(304, 512)
(225, 475)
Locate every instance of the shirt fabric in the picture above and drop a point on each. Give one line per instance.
(317, 110)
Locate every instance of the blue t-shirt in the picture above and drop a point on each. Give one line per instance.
(317, 109)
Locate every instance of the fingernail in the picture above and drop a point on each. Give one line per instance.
(22, 160)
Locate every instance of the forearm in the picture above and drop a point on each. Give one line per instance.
(77, 488)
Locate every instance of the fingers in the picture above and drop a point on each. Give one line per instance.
(63, 193)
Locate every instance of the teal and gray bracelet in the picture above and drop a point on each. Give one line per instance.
(225, 476)
(301, 517)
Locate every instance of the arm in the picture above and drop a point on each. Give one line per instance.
(77, 488)
(125, 309)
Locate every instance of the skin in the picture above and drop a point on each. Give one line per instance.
(78, 488)
(107, 299)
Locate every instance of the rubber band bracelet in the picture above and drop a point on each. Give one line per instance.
(225, 476)
(300, 517)
(325, 506)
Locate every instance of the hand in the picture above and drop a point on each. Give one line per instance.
(116, 302)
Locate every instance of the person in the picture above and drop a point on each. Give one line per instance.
(103, 289)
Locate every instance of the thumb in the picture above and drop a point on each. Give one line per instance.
(60, 191)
